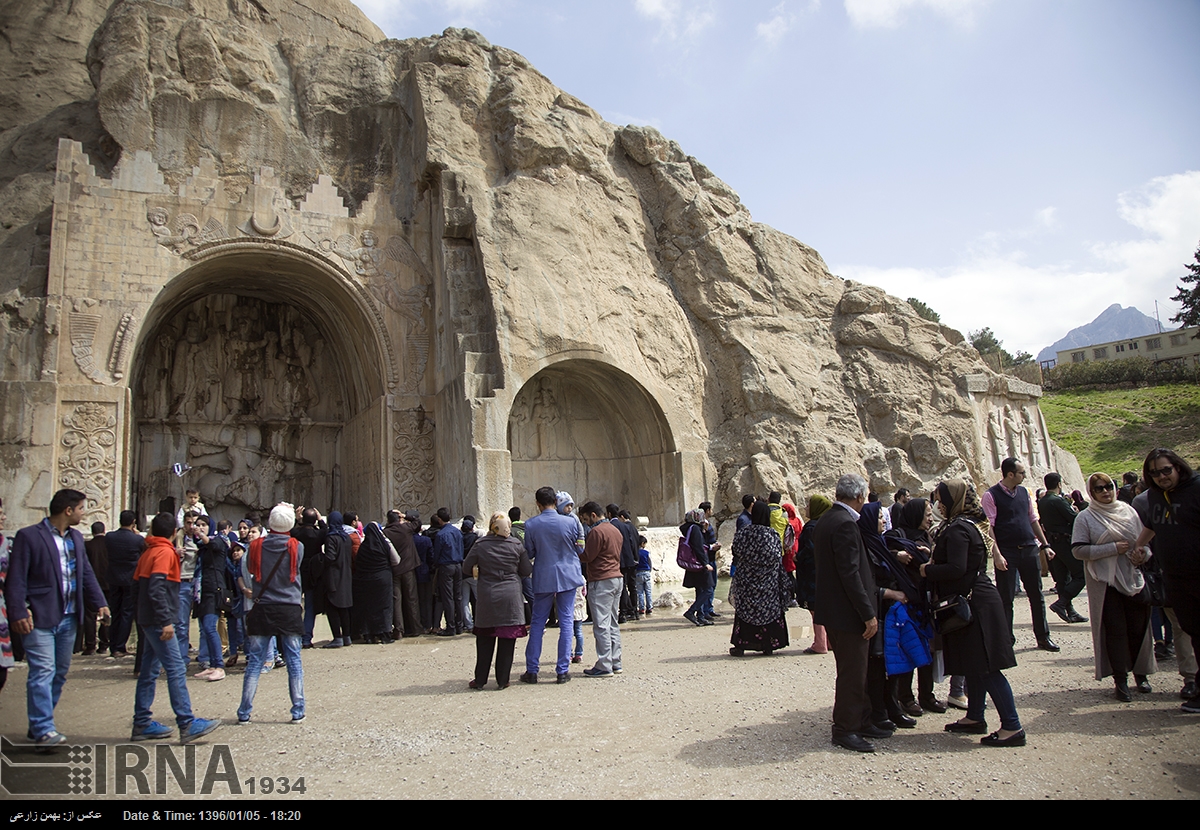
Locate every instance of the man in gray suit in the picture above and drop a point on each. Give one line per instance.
(847, 605)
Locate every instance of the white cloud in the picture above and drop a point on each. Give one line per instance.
(889, 14)
(773, 30)
(1031, 305)
(1047, 217)
(678, 20)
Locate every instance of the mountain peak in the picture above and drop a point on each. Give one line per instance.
(1114, 323)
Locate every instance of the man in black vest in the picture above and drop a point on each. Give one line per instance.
(1019, 535)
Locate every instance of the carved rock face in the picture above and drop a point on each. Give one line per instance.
(537, 245)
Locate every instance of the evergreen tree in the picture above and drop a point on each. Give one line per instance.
(1189, 297)
(924, 311)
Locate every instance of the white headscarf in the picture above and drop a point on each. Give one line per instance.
(1120, 522)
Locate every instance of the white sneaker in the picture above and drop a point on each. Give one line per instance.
(957, 702)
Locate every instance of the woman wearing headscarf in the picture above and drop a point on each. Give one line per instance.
(373, 585)
(337, 580)
(1105, 538)
(983, 648)
(702, 581)
(806, 569)
(760, 587)
(499, 563)
(911, 525)
(796, 527)
(894, 586)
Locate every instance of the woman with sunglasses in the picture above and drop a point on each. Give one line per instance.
(1105, 539)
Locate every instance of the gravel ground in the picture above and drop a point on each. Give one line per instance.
(685, 720)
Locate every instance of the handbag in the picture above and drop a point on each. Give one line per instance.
(686, 558)
(952, 614)
(1154, 592)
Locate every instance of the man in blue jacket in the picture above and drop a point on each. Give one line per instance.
(448, 558)
(554, 542)
(50, 581)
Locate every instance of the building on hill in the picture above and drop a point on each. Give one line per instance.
(1181, 346)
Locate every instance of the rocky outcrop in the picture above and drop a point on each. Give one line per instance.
(553, 233)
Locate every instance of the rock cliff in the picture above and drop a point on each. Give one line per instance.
(591, 237)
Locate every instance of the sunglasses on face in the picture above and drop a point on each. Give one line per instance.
(1162, 472)
(1104, 488)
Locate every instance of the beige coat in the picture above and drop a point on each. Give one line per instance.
(1089, 529)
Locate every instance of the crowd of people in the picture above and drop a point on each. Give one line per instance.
(897, 593)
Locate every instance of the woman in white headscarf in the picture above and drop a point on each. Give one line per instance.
(1105, 538)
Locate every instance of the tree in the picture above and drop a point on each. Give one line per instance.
(1189, 298)
(986, 342)
(924, 311)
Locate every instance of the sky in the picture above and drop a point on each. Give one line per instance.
(1015, 164)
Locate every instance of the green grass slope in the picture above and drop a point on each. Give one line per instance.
(1111, 430)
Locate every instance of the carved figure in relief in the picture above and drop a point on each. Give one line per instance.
(366, 258)
(997, 437)
(546, 420)
(187, 232)
(1037, 456)
(1012, 429)
(244, 362)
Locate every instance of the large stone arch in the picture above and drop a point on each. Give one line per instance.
(264, 369)
(591, 429)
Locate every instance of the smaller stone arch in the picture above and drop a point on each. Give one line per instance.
(591, 429)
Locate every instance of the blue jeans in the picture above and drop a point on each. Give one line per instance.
(644, 601)
(235, 627)
(704, 597)
(183, 625)
(578, 638)
(209, 635)
(996, 685)
(257, 651)
(564, 604)
(165, 654)
(48, 652)
(310, 616)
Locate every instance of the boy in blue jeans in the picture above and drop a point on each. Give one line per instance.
(156, 584)
(644, 569)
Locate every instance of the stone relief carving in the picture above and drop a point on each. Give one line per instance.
(185, 233)
(122, 342)
(414, 471)
(87, 459)
(1016, 431)
(227, 358)
(83, 327)
(536, 418)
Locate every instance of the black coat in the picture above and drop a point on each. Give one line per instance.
(847, 596)
(959, 567)
(338, 579)
(697, 579)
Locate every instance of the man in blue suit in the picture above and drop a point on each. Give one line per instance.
(554, 542)
(50, 583)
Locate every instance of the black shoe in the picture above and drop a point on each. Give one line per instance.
(1121, 690)
(932, 704)
(336, 643)
(878, 732)
(690, 616)
(967, 728)
(307, 645)
(1143, 685)
(1060, 608)
(1012, 740)
(853, 742)
(1189, 690)
(903, 721)
(735, 651)
(1048, 645)
(716, 614)
(528, 677)
(565, 677)
(912, 709)
(1160, 650)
